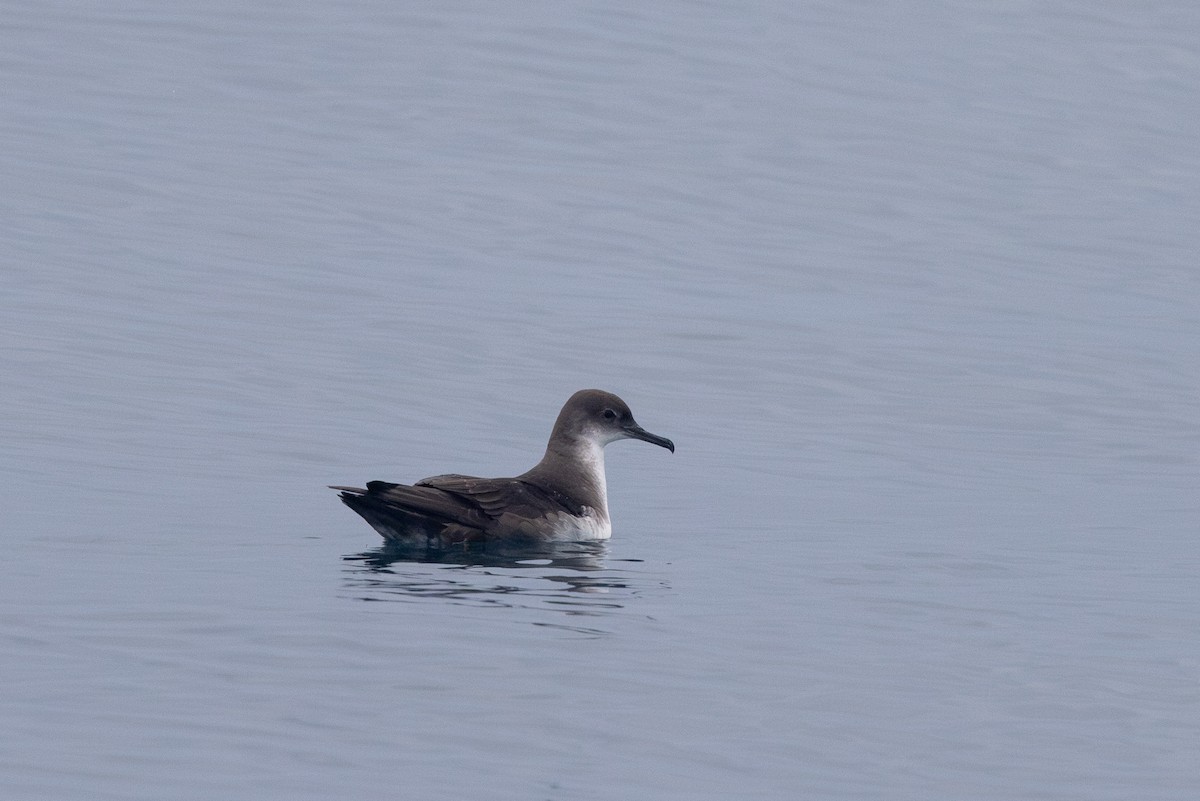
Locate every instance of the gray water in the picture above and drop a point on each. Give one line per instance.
(913, 287)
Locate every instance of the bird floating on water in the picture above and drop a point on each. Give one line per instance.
(562, 498)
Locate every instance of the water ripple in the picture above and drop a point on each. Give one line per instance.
(574, 579)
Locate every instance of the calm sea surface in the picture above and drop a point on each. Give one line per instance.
(913, 287)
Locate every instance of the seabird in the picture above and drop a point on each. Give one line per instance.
(563, 498)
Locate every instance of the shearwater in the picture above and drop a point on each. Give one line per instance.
(562, 498)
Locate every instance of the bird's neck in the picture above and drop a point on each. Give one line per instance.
(575, 468)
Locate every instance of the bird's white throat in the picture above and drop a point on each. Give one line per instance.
(590, 457)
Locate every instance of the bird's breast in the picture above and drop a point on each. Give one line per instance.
(590, 526)
(560, 527)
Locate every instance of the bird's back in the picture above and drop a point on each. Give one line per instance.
(451, 509)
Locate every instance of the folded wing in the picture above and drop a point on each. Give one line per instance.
(452, 508)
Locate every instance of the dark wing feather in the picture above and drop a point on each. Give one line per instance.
(417, 515)
(455, 508)
(431, 502)
(497, 496)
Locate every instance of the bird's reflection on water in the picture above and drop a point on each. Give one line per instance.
(577, 579)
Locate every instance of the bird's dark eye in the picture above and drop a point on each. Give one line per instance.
(609, 414)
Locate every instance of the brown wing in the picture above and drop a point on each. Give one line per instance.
(428, 500)
(455, 508)
(507, 496)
